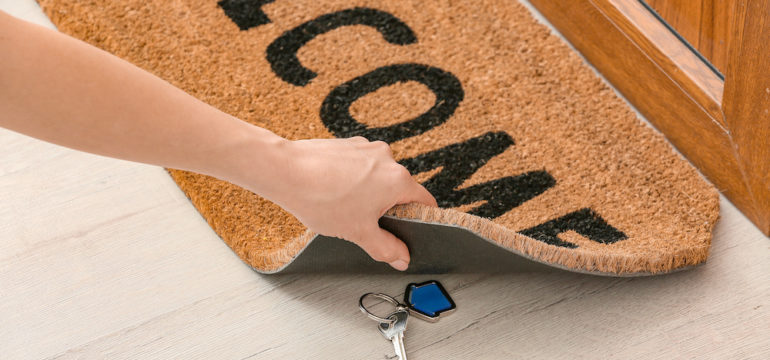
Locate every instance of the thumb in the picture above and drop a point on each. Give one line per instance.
(383, 246)
(419, 194)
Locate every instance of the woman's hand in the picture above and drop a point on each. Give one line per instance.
(341, 187)
(67, 92)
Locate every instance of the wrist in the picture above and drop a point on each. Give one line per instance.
(253, 158)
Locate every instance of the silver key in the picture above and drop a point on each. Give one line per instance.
(395, 331)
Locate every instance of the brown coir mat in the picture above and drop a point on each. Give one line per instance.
(523, 146)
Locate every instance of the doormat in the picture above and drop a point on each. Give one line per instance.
(522, 145)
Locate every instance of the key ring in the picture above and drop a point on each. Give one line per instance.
(388, 298)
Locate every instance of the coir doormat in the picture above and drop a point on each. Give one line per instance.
(523, 146)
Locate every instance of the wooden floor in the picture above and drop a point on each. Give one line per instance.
(91, 267)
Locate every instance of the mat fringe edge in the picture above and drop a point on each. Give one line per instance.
(578, 259)
(583, 260)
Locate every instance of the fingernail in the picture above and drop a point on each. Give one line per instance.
(400, 265)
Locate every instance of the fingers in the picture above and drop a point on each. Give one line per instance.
(419, 194)
(423, 196)
(359, 139)
(383, 147)
(383, 246)
(377, 145)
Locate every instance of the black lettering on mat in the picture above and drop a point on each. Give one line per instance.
(282, 53)
(245, 13)
(585, 222)
(335, 110)
(460, 161)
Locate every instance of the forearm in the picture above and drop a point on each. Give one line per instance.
(64, 91)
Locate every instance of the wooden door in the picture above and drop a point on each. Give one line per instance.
(704, 24)
(698, 70)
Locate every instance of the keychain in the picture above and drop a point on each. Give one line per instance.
(427, 301)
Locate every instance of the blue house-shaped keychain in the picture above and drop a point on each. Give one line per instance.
(428, 300)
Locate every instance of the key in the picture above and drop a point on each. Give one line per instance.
(395, 331)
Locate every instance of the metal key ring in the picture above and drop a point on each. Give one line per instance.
(382, 296)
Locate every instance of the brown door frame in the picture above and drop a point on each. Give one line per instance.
(721, 126)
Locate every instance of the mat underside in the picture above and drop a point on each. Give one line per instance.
(434, 249)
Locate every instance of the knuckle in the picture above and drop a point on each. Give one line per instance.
(401, 172)
(376, 256)
(358, 140)
(379, 144)
(358, 234)
(384, 254)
